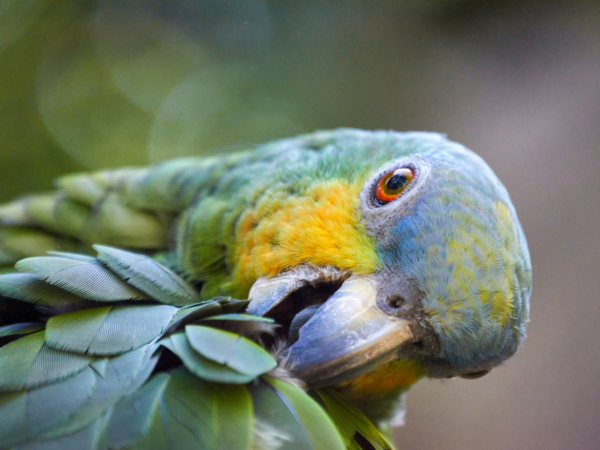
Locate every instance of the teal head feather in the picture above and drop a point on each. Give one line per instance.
(460, 240)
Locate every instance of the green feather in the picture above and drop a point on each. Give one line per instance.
(13, 426)
(76, 331)
(90, 437)
(28, 363)
(187, 416)
(158, 188)
(203, 367)
(109, 330)
(90, 188)
(133, 416)
(115, 378)
(17, 243)
(240, 317)
(230, 349)
(57, 213)
(25, 414)
(72, 218)
(30, 289)
(235, 417)
(194, 313)
(293, 417)
(350, 421)
(20, 328)
(14, 213)
(90, 280)
(148, 276)
(85, 188)
(118, 225)
(75, 256)
(41, 209)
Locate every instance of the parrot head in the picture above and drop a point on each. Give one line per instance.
(420, 262)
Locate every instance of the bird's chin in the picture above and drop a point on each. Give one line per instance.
(332, 322)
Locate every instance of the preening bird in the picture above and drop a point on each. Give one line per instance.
(281, 297)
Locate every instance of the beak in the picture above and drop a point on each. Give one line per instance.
(348, 335)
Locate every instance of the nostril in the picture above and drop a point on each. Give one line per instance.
(418, 344)
(395, 301)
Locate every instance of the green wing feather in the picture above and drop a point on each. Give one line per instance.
(133, 416)
(18, 242)
(29, 288)
(203, 367)
(157, 281)
(26, 414)
(90, 437)
(29, 363)
(105, 372)
(20, 328)
(297, 420)
(90, 280)
(233, 351)
(115, 378)
(110, 330)
(354, 427)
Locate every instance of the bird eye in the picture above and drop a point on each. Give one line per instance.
(392, 184)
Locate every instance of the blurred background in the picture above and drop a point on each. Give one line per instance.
(95, 84)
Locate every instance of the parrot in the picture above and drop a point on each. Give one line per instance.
(281, 297)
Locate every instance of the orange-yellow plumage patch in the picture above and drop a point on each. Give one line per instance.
(319, 226)
(390, 379)
(246, 223)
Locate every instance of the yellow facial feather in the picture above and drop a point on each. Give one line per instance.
(472, 251)
(319, 226)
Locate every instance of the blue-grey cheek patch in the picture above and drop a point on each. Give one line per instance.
(463, 245)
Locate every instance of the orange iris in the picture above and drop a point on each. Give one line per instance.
(392, 184)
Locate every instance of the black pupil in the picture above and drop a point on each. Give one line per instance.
(396, 182)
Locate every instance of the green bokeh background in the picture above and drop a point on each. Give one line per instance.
(95, 84)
